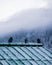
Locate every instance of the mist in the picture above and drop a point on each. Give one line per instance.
(27, 20)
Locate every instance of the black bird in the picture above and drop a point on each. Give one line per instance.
(38, 40)
(26, 40)
(10, 40)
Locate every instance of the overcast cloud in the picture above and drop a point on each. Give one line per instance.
(49, 3)
(24, 14)
(9, 7)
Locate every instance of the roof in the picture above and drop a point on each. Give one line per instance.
(25, 55)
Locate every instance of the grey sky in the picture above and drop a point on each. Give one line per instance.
(49, 3)
(9, 7)
(30, 14)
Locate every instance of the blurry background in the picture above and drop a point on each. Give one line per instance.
(30, 19)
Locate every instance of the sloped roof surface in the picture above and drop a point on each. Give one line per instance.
(25, 56)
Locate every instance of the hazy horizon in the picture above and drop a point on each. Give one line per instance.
(28, 14)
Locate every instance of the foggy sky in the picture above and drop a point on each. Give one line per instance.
(29, 18)
(9, 7)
